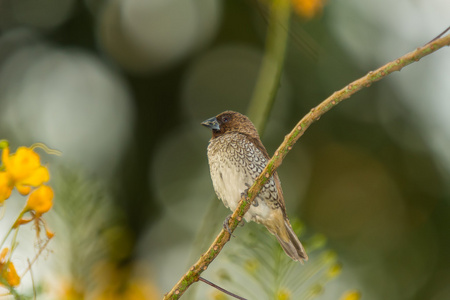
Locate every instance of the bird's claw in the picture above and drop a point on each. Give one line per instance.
(245, 192)
(226, 226)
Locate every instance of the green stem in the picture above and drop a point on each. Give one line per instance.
(12, 227)
(272, 64)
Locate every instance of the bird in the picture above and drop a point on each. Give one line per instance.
(236, 157)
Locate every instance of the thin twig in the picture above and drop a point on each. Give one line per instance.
(220, 289)
(36, 257)
(32, 279)
(202, 264)
(441, 34)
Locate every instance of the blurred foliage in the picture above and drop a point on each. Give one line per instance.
(95, 245)
(257, 268)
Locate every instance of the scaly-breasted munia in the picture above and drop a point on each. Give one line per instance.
(236, 157)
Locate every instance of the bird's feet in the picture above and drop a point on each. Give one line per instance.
(245, 192)
(255, 202)
(226, 226)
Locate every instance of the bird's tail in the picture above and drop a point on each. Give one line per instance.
(289, 240)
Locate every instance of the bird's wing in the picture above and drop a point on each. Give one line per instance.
(257, 142)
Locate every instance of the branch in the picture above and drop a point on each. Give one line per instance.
(202, 264)
(220, 289)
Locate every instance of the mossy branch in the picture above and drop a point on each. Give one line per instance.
(202, 264)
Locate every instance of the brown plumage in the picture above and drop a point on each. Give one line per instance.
(236, 157)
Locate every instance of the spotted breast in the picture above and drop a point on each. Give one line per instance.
(235, 163)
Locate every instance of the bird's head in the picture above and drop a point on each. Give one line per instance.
(230, 121)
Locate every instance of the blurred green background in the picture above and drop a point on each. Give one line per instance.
(120, 87)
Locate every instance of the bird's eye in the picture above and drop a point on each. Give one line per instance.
(225, 119)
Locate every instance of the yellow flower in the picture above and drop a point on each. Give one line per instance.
(7, 270)
(334, 270)
(283, 294)
(252, 266)
(113, 282)
(40, 200)
(5, 188)
(217, 295)
(351, 295)
(11, 276)
(22, 170)
(66, 289)
(133, 290)
(308, 9)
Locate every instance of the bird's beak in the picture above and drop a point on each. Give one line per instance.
(211, 123)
